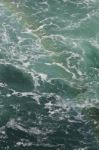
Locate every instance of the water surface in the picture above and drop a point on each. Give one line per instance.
(49, 75)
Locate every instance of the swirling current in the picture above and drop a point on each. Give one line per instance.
(49, 75)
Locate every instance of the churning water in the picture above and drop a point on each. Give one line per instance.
(49, 75)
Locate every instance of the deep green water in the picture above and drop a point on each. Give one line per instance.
(49, 75)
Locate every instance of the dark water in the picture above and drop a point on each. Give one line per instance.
(49, 75)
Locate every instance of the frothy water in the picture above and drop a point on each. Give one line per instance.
(49, 75)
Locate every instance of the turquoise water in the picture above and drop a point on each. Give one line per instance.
(49, 75)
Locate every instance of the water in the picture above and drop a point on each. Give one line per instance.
(49, 75)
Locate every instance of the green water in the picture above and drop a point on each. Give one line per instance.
(49, 75)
